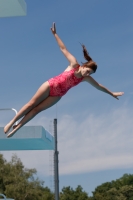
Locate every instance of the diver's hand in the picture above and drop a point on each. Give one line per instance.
(53, 28)
(117, 94)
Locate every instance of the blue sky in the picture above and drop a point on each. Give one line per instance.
(94, 129)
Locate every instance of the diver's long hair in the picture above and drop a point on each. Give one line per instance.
(90, 63)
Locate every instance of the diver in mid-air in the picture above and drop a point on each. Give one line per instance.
(51, 91)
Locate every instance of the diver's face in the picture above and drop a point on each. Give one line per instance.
(86, 71)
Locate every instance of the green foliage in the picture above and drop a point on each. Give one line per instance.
(20, 183)
(69, 194)
(121, 189)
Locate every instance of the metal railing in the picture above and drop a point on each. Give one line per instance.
(3, 196)
(3, 109)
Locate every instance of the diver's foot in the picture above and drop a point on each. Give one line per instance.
(12, 133)
(7, 127)
(14, 126)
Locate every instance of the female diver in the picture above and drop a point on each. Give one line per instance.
(51, 91)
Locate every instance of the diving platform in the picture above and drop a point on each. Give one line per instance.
(13, 8)
(27, 138)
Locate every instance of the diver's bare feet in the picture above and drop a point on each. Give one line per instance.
(14, 126)
(12, 133)
(7, 127)
(15, 129)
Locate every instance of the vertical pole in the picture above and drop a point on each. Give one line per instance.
(56, 169)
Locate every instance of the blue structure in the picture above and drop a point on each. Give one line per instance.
(27, 138)
(33, 138)
(12, 8)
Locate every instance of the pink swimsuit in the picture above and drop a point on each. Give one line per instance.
(59, 85)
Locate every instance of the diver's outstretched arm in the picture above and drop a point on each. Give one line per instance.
(63, 48)
(90, 80)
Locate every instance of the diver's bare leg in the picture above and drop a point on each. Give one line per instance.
(41, 94)
(50, 101)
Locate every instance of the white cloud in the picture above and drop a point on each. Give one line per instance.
(98, 142)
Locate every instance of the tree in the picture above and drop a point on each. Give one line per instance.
(20, 183)
(121, 189)
(69, 194)
(2, 168)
